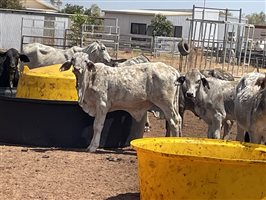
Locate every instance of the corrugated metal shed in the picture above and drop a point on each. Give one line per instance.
(126, 17)
(11, 25)
(149, 12)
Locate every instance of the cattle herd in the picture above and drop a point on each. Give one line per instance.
(137, 85)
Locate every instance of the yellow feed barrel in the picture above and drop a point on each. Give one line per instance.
(186, 168)
(47, 83)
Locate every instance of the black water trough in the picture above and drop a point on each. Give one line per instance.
(46, 123)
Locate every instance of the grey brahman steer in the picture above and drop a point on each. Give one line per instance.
(43, 55)
(102, 89)
(250, 107)
(212, 99)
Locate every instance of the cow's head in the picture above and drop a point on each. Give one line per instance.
(192, 82)
(81, 64)
(97, 52)
(261, 82)
(9, 65)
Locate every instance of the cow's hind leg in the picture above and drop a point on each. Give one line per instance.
(147, 127)
(97, 129)
(174, 121)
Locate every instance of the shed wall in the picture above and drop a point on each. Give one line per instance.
(11, 27)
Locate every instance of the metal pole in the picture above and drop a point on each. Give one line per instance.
(81, 36)
(202, 47)
(22, 37)
(190, 35)
(230, 48)
(199, 38)
(253, 30)
(225, 38)
(213, 43)
(240, 52)
(208, 44)
(238, 46)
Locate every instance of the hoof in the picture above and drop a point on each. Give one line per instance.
(147, 129)
(91, 149)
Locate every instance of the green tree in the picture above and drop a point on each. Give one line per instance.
(94, 13)
(162, 26)
(73, 9)
(80, 17)
(257, 18)
(11, 4)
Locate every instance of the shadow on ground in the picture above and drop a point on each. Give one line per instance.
(126, 196)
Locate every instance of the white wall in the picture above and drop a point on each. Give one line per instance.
(125, 20)
(181, 21)
(11, 27)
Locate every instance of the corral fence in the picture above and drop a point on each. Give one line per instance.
(57, 34)
(48, 32)
(218, 43)
(108, 35)
(166, 45)
(258, 57)
(134, 41)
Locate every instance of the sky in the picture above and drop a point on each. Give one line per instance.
(248, 6)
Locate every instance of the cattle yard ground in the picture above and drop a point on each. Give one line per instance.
(51, 173)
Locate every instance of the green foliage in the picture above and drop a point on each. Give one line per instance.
(257, 18)
(162, 26)
(223, 13)
(10, 4)
(73, 9)
(80, 17)
(93, 11)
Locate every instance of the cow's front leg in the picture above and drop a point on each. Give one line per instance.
(216, 126)
(97, 129)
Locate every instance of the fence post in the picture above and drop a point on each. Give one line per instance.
(81, 36)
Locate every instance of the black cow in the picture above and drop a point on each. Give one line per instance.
(9, 74)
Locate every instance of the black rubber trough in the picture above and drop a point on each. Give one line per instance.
(46, 123)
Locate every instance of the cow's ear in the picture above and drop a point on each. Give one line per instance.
(261, 82)
(205, 83)
(94, 48)
(66, 66)
(181, 79)
(90, 66)
(24, 58)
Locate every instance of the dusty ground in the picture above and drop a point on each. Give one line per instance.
(48, 173)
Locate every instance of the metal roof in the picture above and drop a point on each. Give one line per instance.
(31, 5)
(150, 12)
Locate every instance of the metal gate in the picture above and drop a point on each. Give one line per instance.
(48, 31)
(108, 35)
(55, 33)
(218, 43)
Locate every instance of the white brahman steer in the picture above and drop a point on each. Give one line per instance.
(131, 62)
(187, 104)
(250, 107)
(213, 100)
(43, 55)
(102, 89)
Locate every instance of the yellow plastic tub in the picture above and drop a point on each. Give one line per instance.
(186, 168)
(47, 83)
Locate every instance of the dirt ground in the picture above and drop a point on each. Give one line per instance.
(50, 173)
